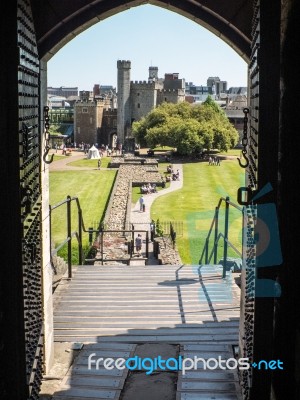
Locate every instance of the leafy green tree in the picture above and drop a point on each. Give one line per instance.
(187, 127)
(210, 103)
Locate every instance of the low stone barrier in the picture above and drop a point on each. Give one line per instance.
(115, 218)
(119, 209)
(165, 253)
(116, 162)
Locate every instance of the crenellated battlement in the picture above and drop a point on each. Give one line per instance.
(140, 85)
(169, 90)
(124, 64)
(85, 103)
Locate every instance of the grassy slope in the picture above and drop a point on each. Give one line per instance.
(91, 187)
(194, 204)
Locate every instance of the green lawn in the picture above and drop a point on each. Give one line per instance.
(91, 163)
(57, 157)
(163, 148)
(91, 187)
(232, 152)
(194, 204)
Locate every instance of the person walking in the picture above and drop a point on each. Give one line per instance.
(138, 244)
(142, 203)
(99, 163)
(152, 230)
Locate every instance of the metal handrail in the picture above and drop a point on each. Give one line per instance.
(215, 225)
(229, 244)
(78, 235)
(70, 234)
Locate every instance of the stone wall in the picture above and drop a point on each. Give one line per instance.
(116, 214)
(119, 208)
(143, 98)
(85, 129)
(165, 252)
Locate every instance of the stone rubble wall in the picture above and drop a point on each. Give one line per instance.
(115, 218)
(119, 160)
(118, 213)
(165, 253)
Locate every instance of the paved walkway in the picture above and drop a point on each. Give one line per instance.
(138, 216)
(142, 220)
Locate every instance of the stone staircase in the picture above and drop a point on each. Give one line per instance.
(115, 311)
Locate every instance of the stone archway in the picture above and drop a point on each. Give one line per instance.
(58, 23)
(39, 35)
(230, 27)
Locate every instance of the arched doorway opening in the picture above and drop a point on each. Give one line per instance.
(114, 137)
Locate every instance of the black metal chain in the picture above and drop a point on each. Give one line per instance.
(245, 140)
(47, 140)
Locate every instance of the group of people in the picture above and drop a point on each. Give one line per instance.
(214, 161)
(174, 175)
(147, 189)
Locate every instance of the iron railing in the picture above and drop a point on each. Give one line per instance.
(100, 231)
(218, 235)
(77, 234)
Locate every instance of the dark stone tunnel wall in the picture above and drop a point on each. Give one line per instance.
(287, 312)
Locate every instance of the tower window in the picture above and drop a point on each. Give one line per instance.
(138, 106)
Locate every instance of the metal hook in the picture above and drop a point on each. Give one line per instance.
(246, 158)
(46, 154)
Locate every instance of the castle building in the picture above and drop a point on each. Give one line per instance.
(143, 98)
(137, 99)
(123, 98)
(105, 117)
(88, 118)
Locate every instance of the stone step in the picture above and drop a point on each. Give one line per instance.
(147, 305)
(127, 325)
(127, 338)
(188, 330)
(148, 319)
(207, 395)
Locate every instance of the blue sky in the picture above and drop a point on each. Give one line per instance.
(146, 35)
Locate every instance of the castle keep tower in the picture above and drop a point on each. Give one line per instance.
(123, 120)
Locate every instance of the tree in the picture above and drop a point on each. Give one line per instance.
(188, 128)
